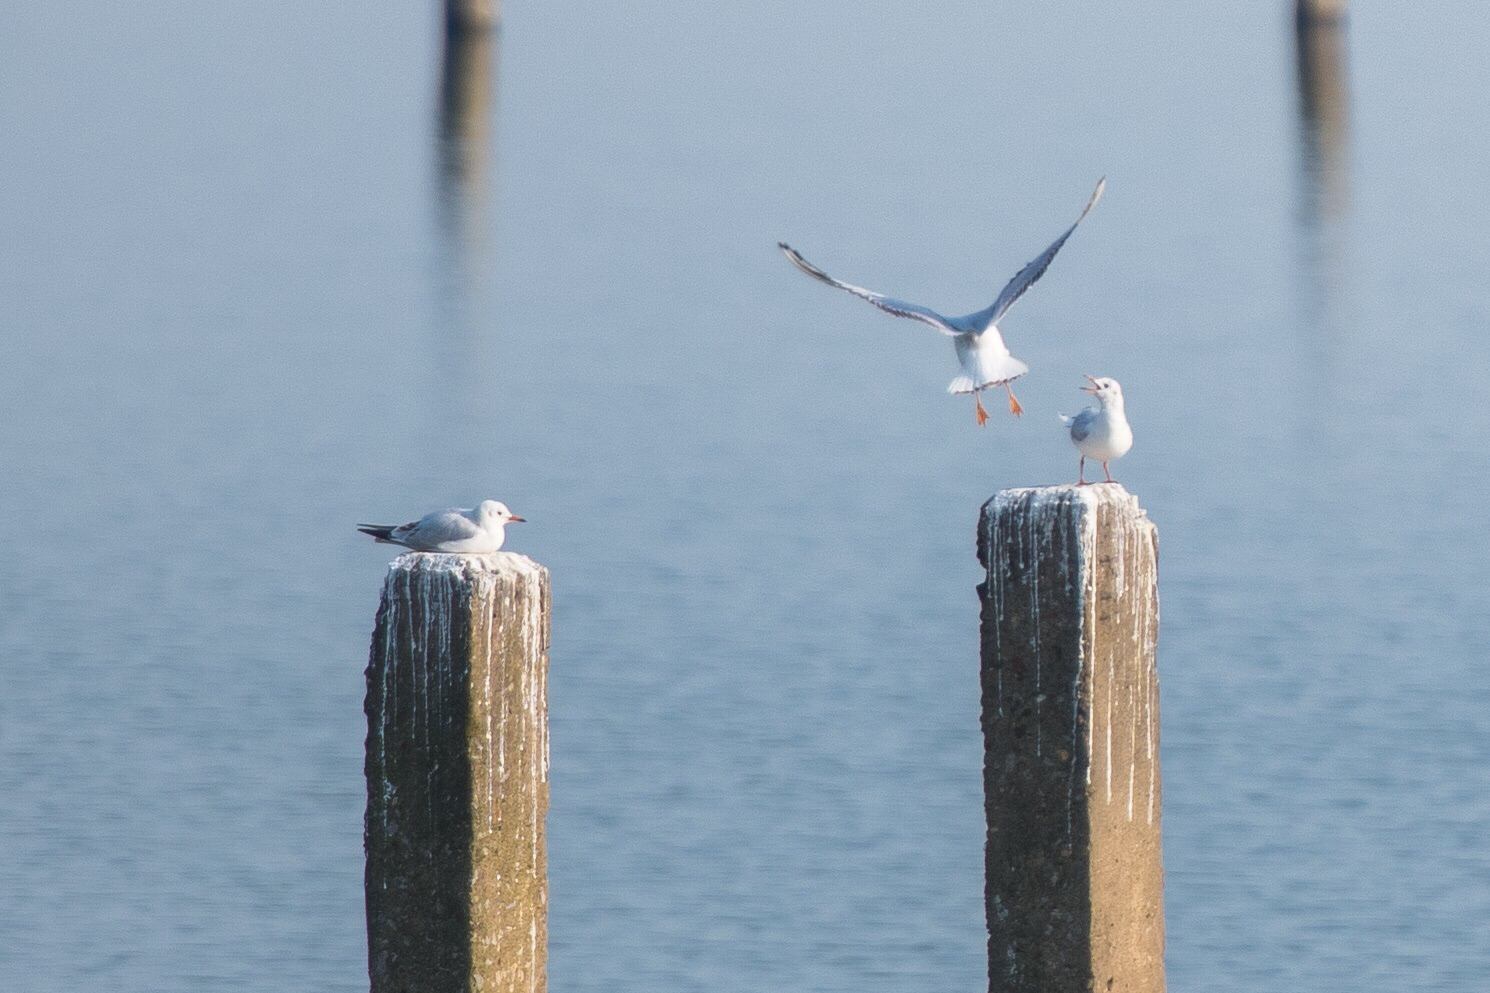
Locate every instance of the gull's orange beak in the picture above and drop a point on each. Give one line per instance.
(1092, 388)
(514, 517)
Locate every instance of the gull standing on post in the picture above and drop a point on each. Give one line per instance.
(476, 531)
(981, 351)
(1101, 432)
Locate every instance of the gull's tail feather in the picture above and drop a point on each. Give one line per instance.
(997, 372)
(1006, 370)
(383, 533)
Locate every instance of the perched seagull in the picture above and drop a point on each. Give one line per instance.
(476, 531)
(984, 357)
(1101, 432)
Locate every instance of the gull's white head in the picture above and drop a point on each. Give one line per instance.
(1105, 389)
(494, 513)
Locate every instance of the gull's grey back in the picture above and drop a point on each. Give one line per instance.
(1081, 424)
(454, 524)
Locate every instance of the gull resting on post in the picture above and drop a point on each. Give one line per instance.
(476, 531)
(1102, 432)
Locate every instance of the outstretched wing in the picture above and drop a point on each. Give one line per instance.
(897, 307)
(1026, 277)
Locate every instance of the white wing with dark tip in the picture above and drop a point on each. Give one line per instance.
(899, 308)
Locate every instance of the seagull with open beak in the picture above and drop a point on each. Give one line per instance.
(1102, 432)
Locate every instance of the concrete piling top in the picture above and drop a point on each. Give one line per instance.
(468, 567)
(1041, 503)
(1092, 495)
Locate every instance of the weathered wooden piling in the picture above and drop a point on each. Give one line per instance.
(457, 776)
(1070, 618)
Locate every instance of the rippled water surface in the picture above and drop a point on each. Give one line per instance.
(270, 270)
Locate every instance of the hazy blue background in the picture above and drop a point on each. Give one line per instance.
(248, 298)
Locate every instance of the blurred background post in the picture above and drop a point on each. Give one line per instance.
(1320, 11)
(471, 15)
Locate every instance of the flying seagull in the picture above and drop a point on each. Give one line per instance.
(477, 531)
(1100, 432)
(981, 351)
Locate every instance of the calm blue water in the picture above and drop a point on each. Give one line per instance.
(248, 298)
